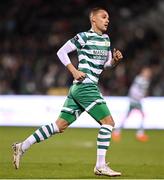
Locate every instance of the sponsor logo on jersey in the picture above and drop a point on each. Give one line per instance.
(100, 52)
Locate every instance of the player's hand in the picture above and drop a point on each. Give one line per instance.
(117, 55)
(79, 75)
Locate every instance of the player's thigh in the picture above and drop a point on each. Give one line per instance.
(101, 113)
(70, 110)
(90, 98)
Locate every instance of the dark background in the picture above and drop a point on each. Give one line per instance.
(32, 31)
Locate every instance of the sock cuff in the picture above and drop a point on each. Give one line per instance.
(108, 127)
(56, 129)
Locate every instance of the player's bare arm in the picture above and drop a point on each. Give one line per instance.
(78, 75)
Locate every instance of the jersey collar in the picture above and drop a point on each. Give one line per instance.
(92, 31)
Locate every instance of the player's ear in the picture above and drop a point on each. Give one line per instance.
(93, 19)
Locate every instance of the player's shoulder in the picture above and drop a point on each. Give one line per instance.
(82, 35)
(89, 33)
(105, 36)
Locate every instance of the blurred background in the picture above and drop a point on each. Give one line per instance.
(32, 31)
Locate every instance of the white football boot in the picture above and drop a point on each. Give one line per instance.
(18, 152)
(106, 171)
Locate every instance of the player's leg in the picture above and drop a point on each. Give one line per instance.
(116, 135)
(101, 114)
(68, 114)
(45, 132)
(88, 96)
(140, 134)
(39, 135)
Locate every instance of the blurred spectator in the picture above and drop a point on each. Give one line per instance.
(32, 31)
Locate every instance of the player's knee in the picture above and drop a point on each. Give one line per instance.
(112, 123)
(62, 125)
(108, 120)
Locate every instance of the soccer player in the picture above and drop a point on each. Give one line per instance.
(137, 91)
(94, 53)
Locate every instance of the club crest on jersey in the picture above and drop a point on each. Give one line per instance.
(107, 43)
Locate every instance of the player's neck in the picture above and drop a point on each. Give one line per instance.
(96, 30)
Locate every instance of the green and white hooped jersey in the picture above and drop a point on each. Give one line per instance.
(93, 51)
(139, 88)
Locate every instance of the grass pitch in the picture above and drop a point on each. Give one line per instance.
(73, 154)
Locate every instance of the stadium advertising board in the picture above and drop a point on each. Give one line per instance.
(38, 110)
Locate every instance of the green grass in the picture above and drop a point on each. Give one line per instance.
(72, 155)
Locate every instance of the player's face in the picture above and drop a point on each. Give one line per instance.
(147, 73)
(101, 20)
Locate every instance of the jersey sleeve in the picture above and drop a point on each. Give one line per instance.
(64, 51)
(109, 60)
(79, 40)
